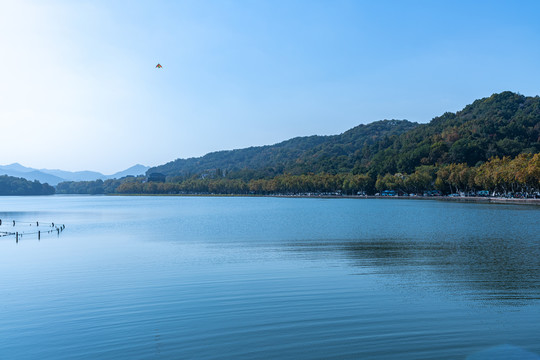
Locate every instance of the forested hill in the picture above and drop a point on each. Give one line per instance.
(276, 159)
(10, 185)
(504, 124)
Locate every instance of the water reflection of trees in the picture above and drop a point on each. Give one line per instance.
(484, 268)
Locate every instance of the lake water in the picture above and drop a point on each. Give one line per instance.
(262, 278)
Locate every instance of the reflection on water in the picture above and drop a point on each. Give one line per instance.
(481, 252)
(483, 269)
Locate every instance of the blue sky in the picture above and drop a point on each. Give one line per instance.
(79, 88)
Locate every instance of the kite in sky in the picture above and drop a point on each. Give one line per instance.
(159, 66)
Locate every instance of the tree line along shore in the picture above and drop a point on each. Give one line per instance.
(517, 178)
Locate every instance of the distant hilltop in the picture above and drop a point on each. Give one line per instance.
(505, 124)
(54, 177)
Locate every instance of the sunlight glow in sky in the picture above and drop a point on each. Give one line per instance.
(79, 89)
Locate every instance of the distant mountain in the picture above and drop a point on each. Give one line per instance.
(75, 175)
(505, 124)
(16, 167)
(286, 156)
(135, 170)
(53, 177)
(19, 171)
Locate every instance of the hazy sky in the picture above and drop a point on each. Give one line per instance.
(79, 88)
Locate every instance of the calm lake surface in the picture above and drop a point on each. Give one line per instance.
(261, 278)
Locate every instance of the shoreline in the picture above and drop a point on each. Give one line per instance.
(494, 200)
(475, 199)
(471, 199)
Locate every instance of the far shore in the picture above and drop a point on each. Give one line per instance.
(470, 199)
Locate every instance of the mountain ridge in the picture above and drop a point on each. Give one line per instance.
(275, 158)
(56, 176)
(503, 124)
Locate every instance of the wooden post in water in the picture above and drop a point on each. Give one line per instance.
(39, 235)
(17, 236)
